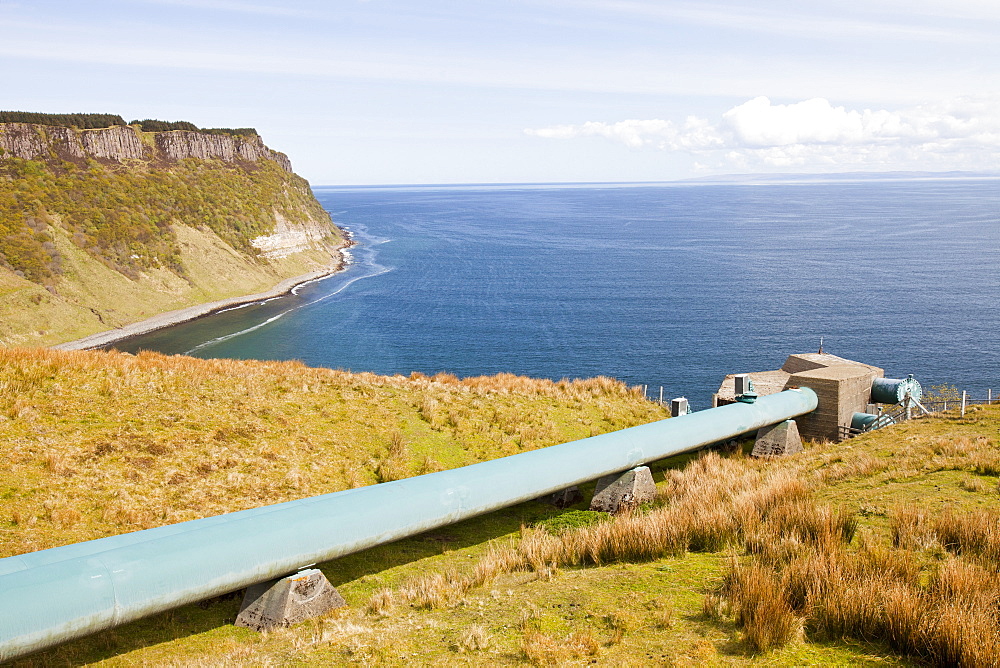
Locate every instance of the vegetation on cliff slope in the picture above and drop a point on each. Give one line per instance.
(96, 121)
(91, 243)
(82, 121)
(881, 550)
(154, 125)
(123, 216)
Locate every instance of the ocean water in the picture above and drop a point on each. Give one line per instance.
(672, 286)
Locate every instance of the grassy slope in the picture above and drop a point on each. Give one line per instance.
(86, 249)
(90, 297)
(79, 474)
(101, 443)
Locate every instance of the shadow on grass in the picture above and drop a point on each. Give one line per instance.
(188, 620)
(461, 535)
(862, 653)
(465, 534)
(217, 613)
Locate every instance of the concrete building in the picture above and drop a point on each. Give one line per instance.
(843, 387)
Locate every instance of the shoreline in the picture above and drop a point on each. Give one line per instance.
(189, 313)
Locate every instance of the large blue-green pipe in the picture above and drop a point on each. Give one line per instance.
(53, 595)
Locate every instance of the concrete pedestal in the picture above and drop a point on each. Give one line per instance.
(566, 497)
(777, 440)
(620, 491)
(288, 601)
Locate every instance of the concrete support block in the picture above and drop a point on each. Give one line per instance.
(566, 497)
(679, 407)
(288, 601)
(776, 440)
(620, 491)
(842, 391)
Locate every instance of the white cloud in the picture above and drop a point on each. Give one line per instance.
(963, 133)
(695, 134)
(758, 123)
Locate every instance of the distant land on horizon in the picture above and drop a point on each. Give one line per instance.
(718, 179)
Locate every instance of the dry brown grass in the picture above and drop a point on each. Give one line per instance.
(543, 649)
(861, 465)
(975, 535)
(474, 638)
(760, 606)
(98, 443)
(713, 503)
(911, 528)
(976, 485)
(947, 614)
(986, 461)
(801, 573)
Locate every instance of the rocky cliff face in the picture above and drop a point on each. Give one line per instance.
(122, 144)
(147, 222)
(182, 144)
(289, 237)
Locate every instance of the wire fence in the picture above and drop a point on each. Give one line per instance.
(961, 403)
(935, 405)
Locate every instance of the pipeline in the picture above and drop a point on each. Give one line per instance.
(54, 595)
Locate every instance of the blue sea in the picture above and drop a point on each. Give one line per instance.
(669, 286)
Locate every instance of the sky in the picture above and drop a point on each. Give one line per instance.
(438, 91)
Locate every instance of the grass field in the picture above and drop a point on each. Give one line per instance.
(883, 550)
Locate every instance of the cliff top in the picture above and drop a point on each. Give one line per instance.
(101, 121)
(116, 191)
(119, 143)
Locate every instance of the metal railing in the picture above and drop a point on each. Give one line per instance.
(960, 403)
(898, 414)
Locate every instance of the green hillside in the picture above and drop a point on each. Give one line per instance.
(124, 218)
(93, 237)
(882, 550)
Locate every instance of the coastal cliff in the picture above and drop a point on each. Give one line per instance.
(121, 144)
(104, 227)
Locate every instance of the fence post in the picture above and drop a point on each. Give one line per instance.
(989, 396)
(963, 403)
(661, 394)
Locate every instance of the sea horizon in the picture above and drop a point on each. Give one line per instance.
(658, 285)
(780, 178)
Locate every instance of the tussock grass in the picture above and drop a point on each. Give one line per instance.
(975, 535)
(860, 553)
(760, 606)
(712, 504)
(928, 589)
(474, 638)
(99, 443)
(543, 649)
(871, 594)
